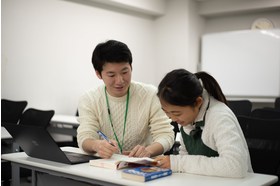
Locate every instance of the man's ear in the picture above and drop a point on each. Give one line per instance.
(98, 74)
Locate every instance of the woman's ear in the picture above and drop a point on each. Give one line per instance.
(199, 101)
(98, 74)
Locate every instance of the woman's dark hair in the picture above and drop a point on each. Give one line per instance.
(181, 87)
(111, 51)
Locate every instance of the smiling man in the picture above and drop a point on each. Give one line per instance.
(127, 112)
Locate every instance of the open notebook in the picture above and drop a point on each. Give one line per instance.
(119, 161)
(36, 142)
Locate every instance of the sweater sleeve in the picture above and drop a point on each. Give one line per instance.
(88, 119)
(160, 127)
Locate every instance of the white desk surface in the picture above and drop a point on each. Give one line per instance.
(65, 119)
(5, 134)
(114, 176)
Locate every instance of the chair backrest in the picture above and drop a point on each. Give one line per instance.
(12, 110)
(36, 117)
(263, 139)
(240, 107)
(277, 103)
(175, 130)
(266, 113)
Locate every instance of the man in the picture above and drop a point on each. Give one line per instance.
(127, 112)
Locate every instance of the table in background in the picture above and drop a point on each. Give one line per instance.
(64, 124)
(5, 134)
(61, 124)
(94, 175)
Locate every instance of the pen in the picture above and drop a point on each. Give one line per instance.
(103, 136)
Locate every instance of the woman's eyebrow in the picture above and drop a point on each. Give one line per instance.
(174, 111)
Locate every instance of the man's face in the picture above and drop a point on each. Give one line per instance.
(117, 78)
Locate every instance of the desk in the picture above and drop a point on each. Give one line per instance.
(94, 175)
(59, 124)
(63, 124)
(7, 143)
(5, 134)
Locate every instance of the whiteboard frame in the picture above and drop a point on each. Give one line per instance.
(245, 63)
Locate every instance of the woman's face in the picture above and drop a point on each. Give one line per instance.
(183, 115)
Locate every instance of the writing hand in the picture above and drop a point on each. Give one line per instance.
(106, 149)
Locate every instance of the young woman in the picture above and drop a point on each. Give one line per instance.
(212, 142)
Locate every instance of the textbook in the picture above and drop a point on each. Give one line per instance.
(145, 173)
(119, 161)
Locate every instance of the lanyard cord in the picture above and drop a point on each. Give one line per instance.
(125, 117)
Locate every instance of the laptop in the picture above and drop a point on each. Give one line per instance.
(37, 142)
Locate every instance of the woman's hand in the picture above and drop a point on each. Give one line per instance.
(163, 161)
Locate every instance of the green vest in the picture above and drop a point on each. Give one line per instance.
(194, 143)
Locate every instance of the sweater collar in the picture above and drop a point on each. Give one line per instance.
(203, 107)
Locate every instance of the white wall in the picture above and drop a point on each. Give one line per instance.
(47, 47)
(178, 34)
(47, 44)
(239, 21)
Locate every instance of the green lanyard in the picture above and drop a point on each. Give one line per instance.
(125, 116)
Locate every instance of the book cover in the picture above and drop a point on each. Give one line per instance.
(145, 173)
(119, 161)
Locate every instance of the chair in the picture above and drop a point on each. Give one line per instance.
(11, 110)
(240, 107)
(266, 113)
(175, 146)
(277, 103)
(263, 139)
(36, 117)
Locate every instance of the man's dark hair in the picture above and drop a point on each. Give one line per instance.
(111, 51)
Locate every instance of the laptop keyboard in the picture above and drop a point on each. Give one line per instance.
(77, 157)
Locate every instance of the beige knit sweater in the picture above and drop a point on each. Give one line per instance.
(146, 122)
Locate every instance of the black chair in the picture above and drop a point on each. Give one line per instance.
(263, 139)
(11, 110)
(174, 149)
(240, 107)
(277, 103)
(36, 117)
(266, 113)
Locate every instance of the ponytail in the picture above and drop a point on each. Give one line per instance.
(181, 87)
(212, 86)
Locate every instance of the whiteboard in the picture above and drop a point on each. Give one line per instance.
(245, 63)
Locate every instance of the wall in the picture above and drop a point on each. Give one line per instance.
(47, 47)
(47, 44)
(178, 34)
(239, 21)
